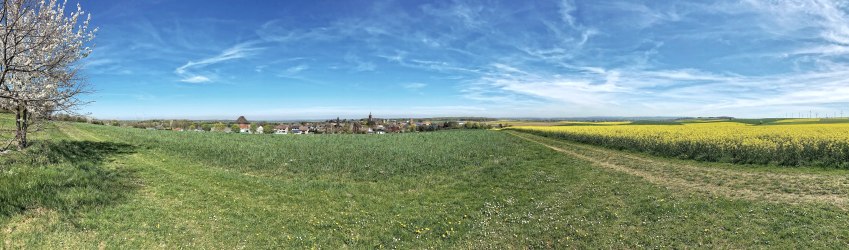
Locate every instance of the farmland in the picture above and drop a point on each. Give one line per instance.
(86, 186)
(791, 142)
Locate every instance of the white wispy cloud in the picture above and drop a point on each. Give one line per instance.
(639, 81)
(567, 9)
(506, 81)
(679, 92)
(297, 69)
(827, 20)
(414, 85)
(323, 112)
(466, 14)
(358, 65)
(643, 16)
(90, 63)
(555, 58)
(195, 79)
(237, 51)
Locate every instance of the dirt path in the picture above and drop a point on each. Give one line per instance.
(760, 186)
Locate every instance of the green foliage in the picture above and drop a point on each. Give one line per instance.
(652, 122)
(756, 121)
(219, 127)
(451, 125)
(268, 128)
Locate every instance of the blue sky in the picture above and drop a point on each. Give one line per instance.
(322, 59)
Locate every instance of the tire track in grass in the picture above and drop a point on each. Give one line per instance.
(762, 181)
(77, 134)
(67, 130)
(713, 181)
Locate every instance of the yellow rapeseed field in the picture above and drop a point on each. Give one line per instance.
(789, 145)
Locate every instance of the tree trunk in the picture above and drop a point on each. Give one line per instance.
(24, 141)
(18, 126)
(21, 122)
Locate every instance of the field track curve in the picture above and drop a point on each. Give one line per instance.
(791, 188)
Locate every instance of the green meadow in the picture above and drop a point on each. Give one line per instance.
(88, 186)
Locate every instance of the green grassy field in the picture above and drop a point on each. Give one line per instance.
(87, 186)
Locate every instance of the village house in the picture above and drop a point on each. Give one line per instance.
(244, 125)
(370, 125)
(281, 129)
(379, 129)
(321, 129)
(304, 129)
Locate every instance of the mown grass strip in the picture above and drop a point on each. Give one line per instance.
(785, 188)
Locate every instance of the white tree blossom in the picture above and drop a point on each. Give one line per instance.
(40, 45)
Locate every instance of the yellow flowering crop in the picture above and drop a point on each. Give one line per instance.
(789, 145)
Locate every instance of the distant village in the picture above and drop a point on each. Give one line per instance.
(242, 125)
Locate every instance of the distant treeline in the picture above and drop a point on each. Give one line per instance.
(467, 119)
(71, 118)
(333, 126)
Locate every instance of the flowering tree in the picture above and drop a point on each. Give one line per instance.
(40, 46)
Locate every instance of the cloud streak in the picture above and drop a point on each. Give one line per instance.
(195, 79)
(237, 51)
(414, 85)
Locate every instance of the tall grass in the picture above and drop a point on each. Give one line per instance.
(365, 156)
(65, 176)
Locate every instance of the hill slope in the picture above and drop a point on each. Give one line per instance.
(86, 186)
